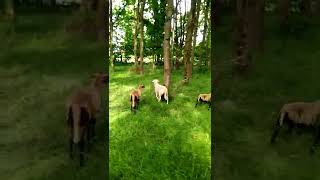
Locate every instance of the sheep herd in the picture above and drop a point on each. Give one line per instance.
(161, 91)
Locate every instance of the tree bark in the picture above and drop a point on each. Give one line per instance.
(141, 35)
(10, 10)
(135, 38)
(166, 43)
(111, 35)
(188, 42)
(284, 10)
(255, 25)
(195, 30)
(205, 29)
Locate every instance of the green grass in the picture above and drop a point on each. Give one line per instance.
(246, 108)
(160, 141)
(40, 65)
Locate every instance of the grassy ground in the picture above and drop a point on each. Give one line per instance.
(246, 108)
(161, 141)
(40, 65)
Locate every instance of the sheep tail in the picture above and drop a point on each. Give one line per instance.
(76, 113)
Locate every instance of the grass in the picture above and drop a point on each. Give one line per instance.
(160, 141)
(247, 107)
(40, 65)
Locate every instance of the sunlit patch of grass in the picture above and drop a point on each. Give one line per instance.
(156, 143)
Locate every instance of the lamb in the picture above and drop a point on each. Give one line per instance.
(204, 98)
(303, 113)
(135, 97)
(160, 90)
(82, 106)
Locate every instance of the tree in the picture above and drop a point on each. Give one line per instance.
(10, 9)
(136, 28)
(166, 43)
(284, 9)
(255, 24)
(111, 32)
(195, 30)
(188, 42)
(141, 35)
(205, 28)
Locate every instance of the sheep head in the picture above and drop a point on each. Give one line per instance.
(100, 78)
(155, 81)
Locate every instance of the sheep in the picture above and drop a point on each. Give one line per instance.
(135, 97)
(160, 90)
(204, 98)
(82, 106)
(299, 113)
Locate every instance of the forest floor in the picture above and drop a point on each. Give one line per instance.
(160, 141)
(247, 107)
(40, 65)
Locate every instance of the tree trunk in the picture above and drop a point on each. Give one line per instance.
(188, 42)
(10, 10)
(255, 24)
(205, 29)
(307, 8)
(241, 60)
(111, 35)
(135, 37)
(141, 35)
(284, 10)
(195, 30)
(166, 43)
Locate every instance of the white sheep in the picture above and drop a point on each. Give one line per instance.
(160, 90)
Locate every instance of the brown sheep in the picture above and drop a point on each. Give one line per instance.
(135, 97)
(82, 107)
(305, 113)
(204, 98)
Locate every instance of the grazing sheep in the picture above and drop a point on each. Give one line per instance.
(135, 97)
(204, 98)
(299, 113)
(82, 107)
(160, 90)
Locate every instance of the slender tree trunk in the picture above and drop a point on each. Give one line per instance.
(284, 10)
(166, 43)
(205, 29)
(255, 24)
(306, 7)
(141, 35)
(241, 60)
(10, 10)
(135, 38)
(111, 34)
(188, 43)
(195, 30)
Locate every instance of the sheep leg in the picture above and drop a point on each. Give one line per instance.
(71, 147)
(81, 148)
(275, 132)
(316, 139)
(290, 126)
(93, 127)
(196, 103)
